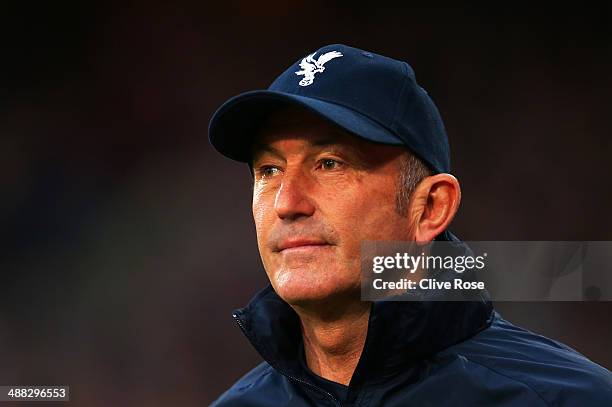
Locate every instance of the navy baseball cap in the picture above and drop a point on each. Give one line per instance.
(369, 95)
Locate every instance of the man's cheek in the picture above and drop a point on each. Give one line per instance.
(262, 210)
(351, 212)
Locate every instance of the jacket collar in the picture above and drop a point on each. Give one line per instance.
(400, 333)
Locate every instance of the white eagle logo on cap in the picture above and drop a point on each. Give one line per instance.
(310, 66)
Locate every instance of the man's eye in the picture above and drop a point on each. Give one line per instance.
(268, 171)
(330, 164)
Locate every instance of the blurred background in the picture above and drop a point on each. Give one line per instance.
(127, 241)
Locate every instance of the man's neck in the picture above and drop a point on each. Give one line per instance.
(333, 345)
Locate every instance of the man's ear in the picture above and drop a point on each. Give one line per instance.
(433, 206)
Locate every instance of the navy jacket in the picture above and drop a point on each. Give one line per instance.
(427, 353)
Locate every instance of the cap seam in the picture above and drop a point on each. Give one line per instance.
(400, 96)
(429, 106)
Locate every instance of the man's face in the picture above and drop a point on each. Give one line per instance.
(318, 193)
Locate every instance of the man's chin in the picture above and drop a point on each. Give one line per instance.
(303, 298)
(316, 294)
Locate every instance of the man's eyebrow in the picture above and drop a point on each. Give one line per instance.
(260, 148)
(340, 146)
(325, 142)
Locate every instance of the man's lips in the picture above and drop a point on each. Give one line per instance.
(301, 243)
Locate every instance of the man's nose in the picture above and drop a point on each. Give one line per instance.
(292, 198)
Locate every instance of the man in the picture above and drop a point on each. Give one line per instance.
(346, 147)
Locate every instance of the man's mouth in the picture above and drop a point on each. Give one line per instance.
(301, 244)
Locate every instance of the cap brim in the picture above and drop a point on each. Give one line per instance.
(236, 122)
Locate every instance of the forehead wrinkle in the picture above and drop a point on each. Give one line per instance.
(315, 131)
(259, 149)
(312, 142)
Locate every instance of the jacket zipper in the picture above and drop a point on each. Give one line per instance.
(295, 379)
